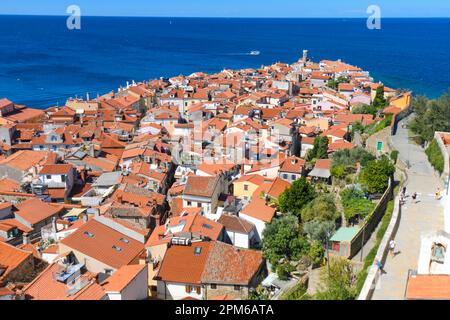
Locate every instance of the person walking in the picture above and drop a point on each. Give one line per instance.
(438, 194)
(379, 265)
(392, 247)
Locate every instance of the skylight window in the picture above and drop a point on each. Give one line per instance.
(197, 251)
(89, 234)
(207, 226)
(117, 248)
(124, 240)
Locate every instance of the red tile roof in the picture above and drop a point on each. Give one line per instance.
(100, 246)
(120, 279)
(428, 287)
(258, 209)
(56, 169)
(201, 186)
(11, 258)
(45, 287)
(34, 210)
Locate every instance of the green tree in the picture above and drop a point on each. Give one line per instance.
(355, 203)
(379, 102)
(339, 284)
(319, 230)
(282, 239)
(375, 176)
(339, 171)
(293, 199)
(365, 109)
(319, 150)
(316, 253)
(430, 116)
(334, 83)
(322, 208)
(349, 157)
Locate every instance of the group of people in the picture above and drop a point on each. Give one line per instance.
(403, 196)
(392, 253)
(392, 243)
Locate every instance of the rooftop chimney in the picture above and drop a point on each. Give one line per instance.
(25, 238)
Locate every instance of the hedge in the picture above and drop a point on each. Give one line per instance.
(435, 156)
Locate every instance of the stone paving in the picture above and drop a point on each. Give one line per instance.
(425, 214)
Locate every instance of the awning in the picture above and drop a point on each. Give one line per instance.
(320, 173)
(75, 212)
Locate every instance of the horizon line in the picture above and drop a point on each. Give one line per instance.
(216, 17)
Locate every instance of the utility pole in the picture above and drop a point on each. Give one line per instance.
(362, 242)
(328, 255)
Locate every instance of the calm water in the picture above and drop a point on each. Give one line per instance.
(42, 62)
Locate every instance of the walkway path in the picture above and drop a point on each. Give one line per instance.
(425, 215)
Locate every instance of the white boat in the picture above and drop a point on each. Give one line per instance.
(255, 53)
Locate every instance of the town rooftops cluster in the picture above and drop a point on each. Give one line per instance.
(163, 188)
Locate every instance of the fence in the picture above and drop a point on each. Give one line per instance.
(373, 274)
(372, 222)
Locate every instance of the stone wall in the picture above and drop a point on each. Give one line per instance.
(381, 136)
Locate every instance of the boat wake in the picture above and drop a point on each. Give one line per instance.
(251, 53)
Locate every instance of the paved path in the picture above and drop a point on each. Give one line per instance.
(417, 218)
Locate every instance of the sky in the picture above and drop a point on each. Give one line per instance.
(231, 8)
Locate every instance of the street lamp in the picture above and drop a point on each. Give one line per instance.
(362, 243)
(328, 254)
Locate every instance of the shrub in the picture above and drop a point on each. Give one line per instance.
(322, 208)
(394, 156)
(282, 239)
(375, 176)
(355, 203)
(295, 198)
(316, 253)
(435, 156)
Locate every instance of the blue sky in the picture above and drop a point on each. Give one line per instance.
(231, 8)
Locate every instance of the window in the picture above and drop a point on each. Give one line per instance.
(245, 187)
(199, 290)
(189, 203)
(199, 205)
(188, 289)
(48, 177)
(63, 178)
(117, 248)
(213, 286)
(285, 176)
(293, 177)
(109, 271)
(237, 288)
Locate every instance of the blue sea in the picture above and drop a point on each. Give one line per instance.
(42, 63)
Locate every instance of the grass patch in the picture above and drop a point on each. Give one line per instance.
(380, 125)
(296, 293)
